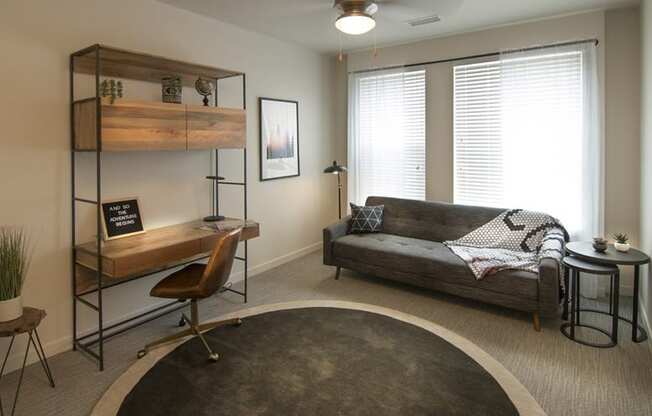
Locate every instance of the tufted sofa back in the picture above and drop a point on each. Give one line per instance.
(434, 221)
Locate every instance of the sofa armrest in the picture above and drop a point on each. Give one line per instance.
(332, 233)
(549, 286)
(550, 276)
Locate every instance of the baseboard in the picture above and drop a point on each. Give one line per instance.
(646, 323)
(626, 290)
(64, 344)
(268, 265)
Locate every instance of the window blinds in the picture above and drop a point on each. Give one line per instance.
(387, 146)
(518, 131)
(478, 165)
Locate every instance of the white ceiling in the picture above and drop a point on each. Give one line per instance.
(310, 22)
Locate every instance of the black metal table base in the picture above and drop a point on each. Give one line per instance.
(566, 329)
(638, 338)
(35, 340)
(572, 296)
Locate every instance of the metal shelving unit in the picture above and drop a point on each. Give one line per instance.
(99, 60)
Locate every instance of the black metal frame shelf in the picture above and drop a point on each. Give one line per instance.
(103, 332)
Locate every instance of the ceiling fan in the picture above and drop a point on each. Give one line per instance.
(357, 17)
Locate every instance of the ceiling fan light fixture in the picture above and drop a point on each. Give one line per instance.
(355, 23)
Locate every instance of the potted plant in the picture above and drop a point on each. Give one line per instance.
(14, 262)
(622, 242)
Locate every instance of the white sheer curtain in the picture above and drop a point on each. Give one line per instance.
(552, 138)
(386, 140)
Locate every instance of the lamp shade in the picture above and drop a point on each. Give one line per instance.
(335, 168)
(355, 23)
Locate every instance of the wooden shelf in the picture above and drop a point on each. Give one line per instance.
(121, 63)
(156, 250)
(129, 125)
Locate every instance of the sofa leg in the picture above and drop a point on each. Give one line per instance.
(337, 273)
(537, 321)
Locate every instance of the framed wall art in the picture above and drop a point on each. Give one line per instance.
(279, 139)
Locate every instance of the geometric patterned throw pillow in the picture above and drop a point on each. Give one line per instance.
(366, 219)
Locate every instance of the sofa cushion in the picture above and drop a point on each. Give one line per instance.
(430, 259)
(434, 221)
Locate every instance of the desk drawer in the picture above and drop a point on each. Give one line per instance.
(155, 259)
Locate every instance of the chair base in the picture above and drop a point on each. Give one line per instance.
(194, 329)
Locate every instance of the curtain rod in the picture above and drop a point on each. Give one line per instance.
(482, 55)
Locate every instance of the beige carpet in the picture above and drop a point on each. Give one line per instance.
(565, 378)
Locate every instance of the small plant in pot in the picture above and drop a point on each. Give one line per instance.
(622, 242)
(14, 262)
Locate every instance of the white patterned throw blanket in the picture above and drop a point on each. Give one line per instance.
(515, 239)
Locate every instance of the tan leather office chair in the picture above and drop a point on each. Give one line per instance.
(195, 282)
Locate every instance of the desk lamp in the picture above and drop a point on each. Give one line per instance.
(216, 202)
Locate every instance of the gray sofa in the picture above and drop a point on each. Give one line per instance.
(410, 250)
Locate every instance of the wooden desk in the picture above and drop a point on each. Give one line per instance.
(157, 250)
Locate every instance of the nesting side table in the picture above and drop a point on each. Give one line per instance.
(584, 250)
(27, 323)
(576, 266)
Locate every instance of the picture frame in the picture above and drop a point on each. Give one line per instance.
(279, 138)
(113, 231)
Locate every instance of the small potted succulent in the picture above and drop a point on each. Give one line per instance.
(14, 262)
(622, 242)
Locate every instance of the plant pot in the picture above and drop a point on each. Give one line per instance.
(622, 247)
(11, 309)
(599, 245)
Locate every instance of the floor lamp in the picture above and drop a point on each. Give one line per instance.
(336, 169)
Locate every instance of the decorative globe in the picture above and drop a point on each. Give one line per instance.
(204, 87)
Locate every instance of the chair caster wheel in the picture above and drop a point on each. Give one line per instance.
(238, 322)
(141, 354)
(214, 357)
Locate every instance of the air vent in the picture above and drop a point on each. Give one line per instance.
(420, 21)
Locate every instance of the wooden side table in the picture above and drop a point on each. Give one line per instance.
(27, 323)
(584, 250)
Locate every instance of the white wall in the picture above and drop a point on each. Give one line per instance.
(646, 155)
(36, 38)
(622, 122)
(618, 58)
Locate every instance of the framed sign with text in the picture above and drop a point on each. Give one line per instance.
(121, 218)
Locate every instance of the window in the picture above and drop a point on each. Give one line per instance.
(387, 138)
(526, 135)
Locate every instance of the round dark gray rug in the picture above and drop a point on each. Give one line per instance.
(318, 361)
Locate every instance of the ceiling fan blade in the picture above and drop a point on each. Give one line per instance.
(293, 8)
(402, 11)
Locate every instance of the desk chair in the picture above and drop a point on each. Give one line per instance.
(195, 282)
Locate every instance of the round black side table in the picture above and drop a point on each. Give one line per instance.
(27, 323)
(634, 257)
(577, 265)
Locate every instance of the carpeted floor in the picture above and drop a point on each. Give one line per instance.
(565, 378)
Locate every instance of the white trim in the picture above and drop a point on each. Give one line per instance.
(110, 402)
(269, 265)
(645, 322)
(63, 344)
(626, 290)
